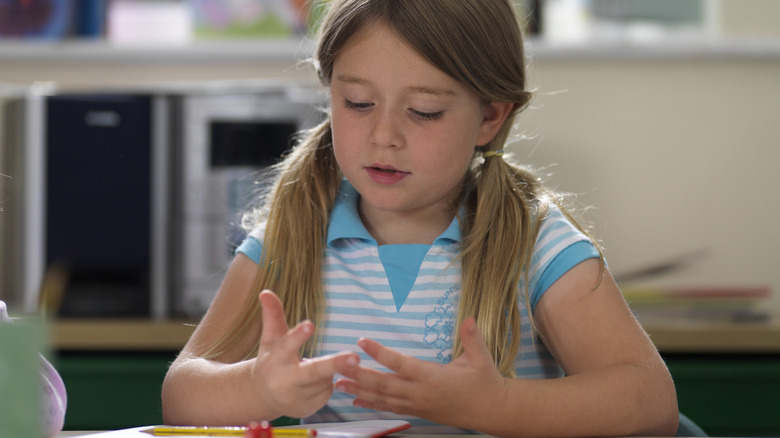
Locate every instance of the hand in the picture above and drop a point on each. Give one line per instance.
(293, 386)
(452, 394)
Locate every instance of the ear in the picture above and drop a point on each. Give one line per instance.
(493, 116)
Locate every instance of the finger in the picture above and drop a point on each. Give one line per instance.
(473, 343)
(353, 387)
(405, 366)
(290, 344)
(366, 398)
(326, 367)
(274, 322)
(381, 401)
(373, 384)
(346, 385)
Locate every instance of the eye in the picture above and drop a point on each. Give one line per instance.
(358, 106)
(426, 116)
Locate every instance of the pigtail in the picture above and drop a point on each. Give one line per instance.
(296, 217)
(297, 227)
(498, 239)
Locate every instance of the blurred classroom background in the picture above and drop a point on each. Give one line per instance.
(660, 117)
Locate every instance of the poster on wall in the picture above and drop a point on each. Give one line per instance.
(251, 19)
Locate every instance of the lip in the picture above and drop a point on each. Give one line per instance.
(385, 175)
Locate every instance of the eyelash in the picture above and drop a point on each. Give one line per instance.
(418, 114)
(427, 116)
(355, 106)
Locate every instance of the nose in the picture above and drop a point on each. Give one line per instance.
(387, 129)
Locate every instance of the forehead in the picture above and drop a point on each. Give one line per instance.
(376, 53)
(379, 38)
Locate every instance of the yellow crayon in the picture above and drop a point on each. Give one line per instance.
(237, 431)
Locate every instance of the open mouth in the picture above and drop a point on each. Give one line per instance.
(386, 175)
(379, 169)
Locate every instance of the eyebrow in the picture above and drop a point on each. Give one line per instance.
(436, 91)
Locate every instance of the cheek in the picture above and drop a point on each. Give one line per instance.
(449, 162)
(349, 133)
(343, 124)
(455, 155)
(457, 146)
(337, 130)
(343, 144)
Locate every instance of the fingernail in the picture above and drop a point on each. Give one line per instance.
(352, 361)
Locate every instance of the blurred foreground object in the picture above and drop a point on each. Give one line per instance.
(34, 402)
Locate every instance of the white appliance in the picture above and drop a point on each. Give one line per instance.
(228, 139)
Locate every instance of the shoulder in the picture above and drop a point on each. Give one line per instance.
(252, 246)
(560, 245)
(556, 231)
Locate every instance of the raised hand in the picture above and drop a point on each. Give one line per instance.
(293, 386)
(447, 394)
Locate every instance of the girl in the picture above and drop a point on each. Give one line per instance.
(398, 219)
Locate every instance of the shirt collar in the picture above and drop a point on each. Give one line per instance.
(345, 222)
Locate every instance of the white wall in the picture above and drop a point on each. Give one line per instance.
(676, 155)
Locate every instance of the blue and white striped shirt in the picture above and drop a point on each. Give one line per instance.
(406, 297)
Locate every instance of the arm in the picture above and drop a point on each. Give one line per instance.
(613, 368)
(616, 382)
(231, 391)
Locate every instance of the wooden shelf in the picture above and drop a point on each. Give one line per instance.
(118, 335)
(707, 337)
(671, 337)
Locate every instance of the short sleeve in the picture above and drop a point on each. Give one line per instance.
(559, 247)
(251, 246)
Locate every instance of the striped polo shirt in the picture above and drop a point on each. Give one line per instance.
(406, 296)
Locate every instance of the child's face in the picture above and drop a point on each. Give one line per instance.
(404, 132)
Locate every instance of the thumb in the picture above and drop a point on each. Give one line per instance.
(474, 347)
(274, 322)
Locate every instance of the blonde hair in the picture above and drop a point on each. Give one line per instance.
(479, 43)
